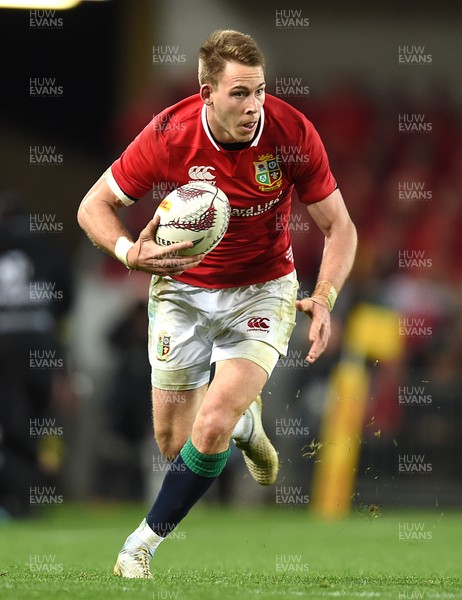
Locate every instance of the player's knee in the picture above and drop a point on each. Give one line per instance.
(212, 428)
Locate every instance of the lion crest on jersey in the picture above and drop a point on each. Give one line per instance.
(268, 173)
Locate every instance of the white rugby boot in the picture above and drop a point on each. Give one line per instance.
(134, 558)
(260, 456)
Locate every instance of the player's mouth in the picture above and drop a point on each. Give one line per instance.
(249, 126)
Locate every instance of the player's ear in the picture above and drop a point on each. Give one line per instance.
(206, 93)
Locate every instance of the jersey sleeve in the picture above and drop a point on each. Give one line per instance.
(313, 179)
(143, 164)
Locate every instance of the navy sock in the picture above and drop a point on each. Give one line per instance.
(188, 478)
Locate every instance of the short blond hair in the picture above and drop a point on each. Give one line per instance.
(227, 45)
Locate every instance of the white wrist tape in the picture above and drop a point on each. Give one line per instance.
(121, 249)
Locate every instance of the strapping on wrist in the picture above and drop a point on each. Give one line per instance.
(326, 292)
(121, 249)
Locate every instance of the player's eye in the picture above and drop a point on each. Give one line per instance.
(238, 94)
(260, 92)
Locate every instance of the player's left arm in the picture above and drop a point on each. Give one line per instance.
(331, 216)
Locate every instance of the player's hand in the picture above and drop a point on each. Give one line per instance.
(146, 255)
(319, 332)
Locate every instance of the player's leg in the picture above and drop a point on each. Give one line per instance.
(261, 331)
(180, 361)
(225, 401)
(193, 471)
(174, 413)
(199, 463)
(204, 455)
(260, 456)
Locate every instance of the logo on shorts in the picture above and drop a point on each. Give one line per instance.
(163, 346)
(258, 324)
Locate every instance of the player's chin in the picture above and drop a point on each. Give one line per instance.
(244, 135)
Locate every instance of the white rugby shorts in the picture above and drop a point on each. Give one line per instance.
(191, 327)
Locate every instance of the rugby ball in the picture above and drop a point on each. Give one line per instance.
(194, 212)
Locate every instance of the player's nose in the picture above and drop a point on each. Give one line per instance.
(253, 106)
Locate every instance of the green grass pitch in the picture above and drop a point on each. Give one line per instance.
(236, 553)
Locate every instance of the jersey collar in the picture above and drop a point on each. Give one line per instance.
(209, 135)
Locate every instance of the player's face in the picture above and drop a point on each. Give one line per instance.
(234, 104)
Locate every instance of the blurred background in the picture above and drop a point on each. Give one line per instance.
(375, 421)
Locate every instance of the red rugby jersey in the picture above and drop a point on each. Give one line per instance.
(176, 147)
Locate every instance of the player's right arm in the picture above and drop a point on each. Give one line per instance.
(97, 216)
